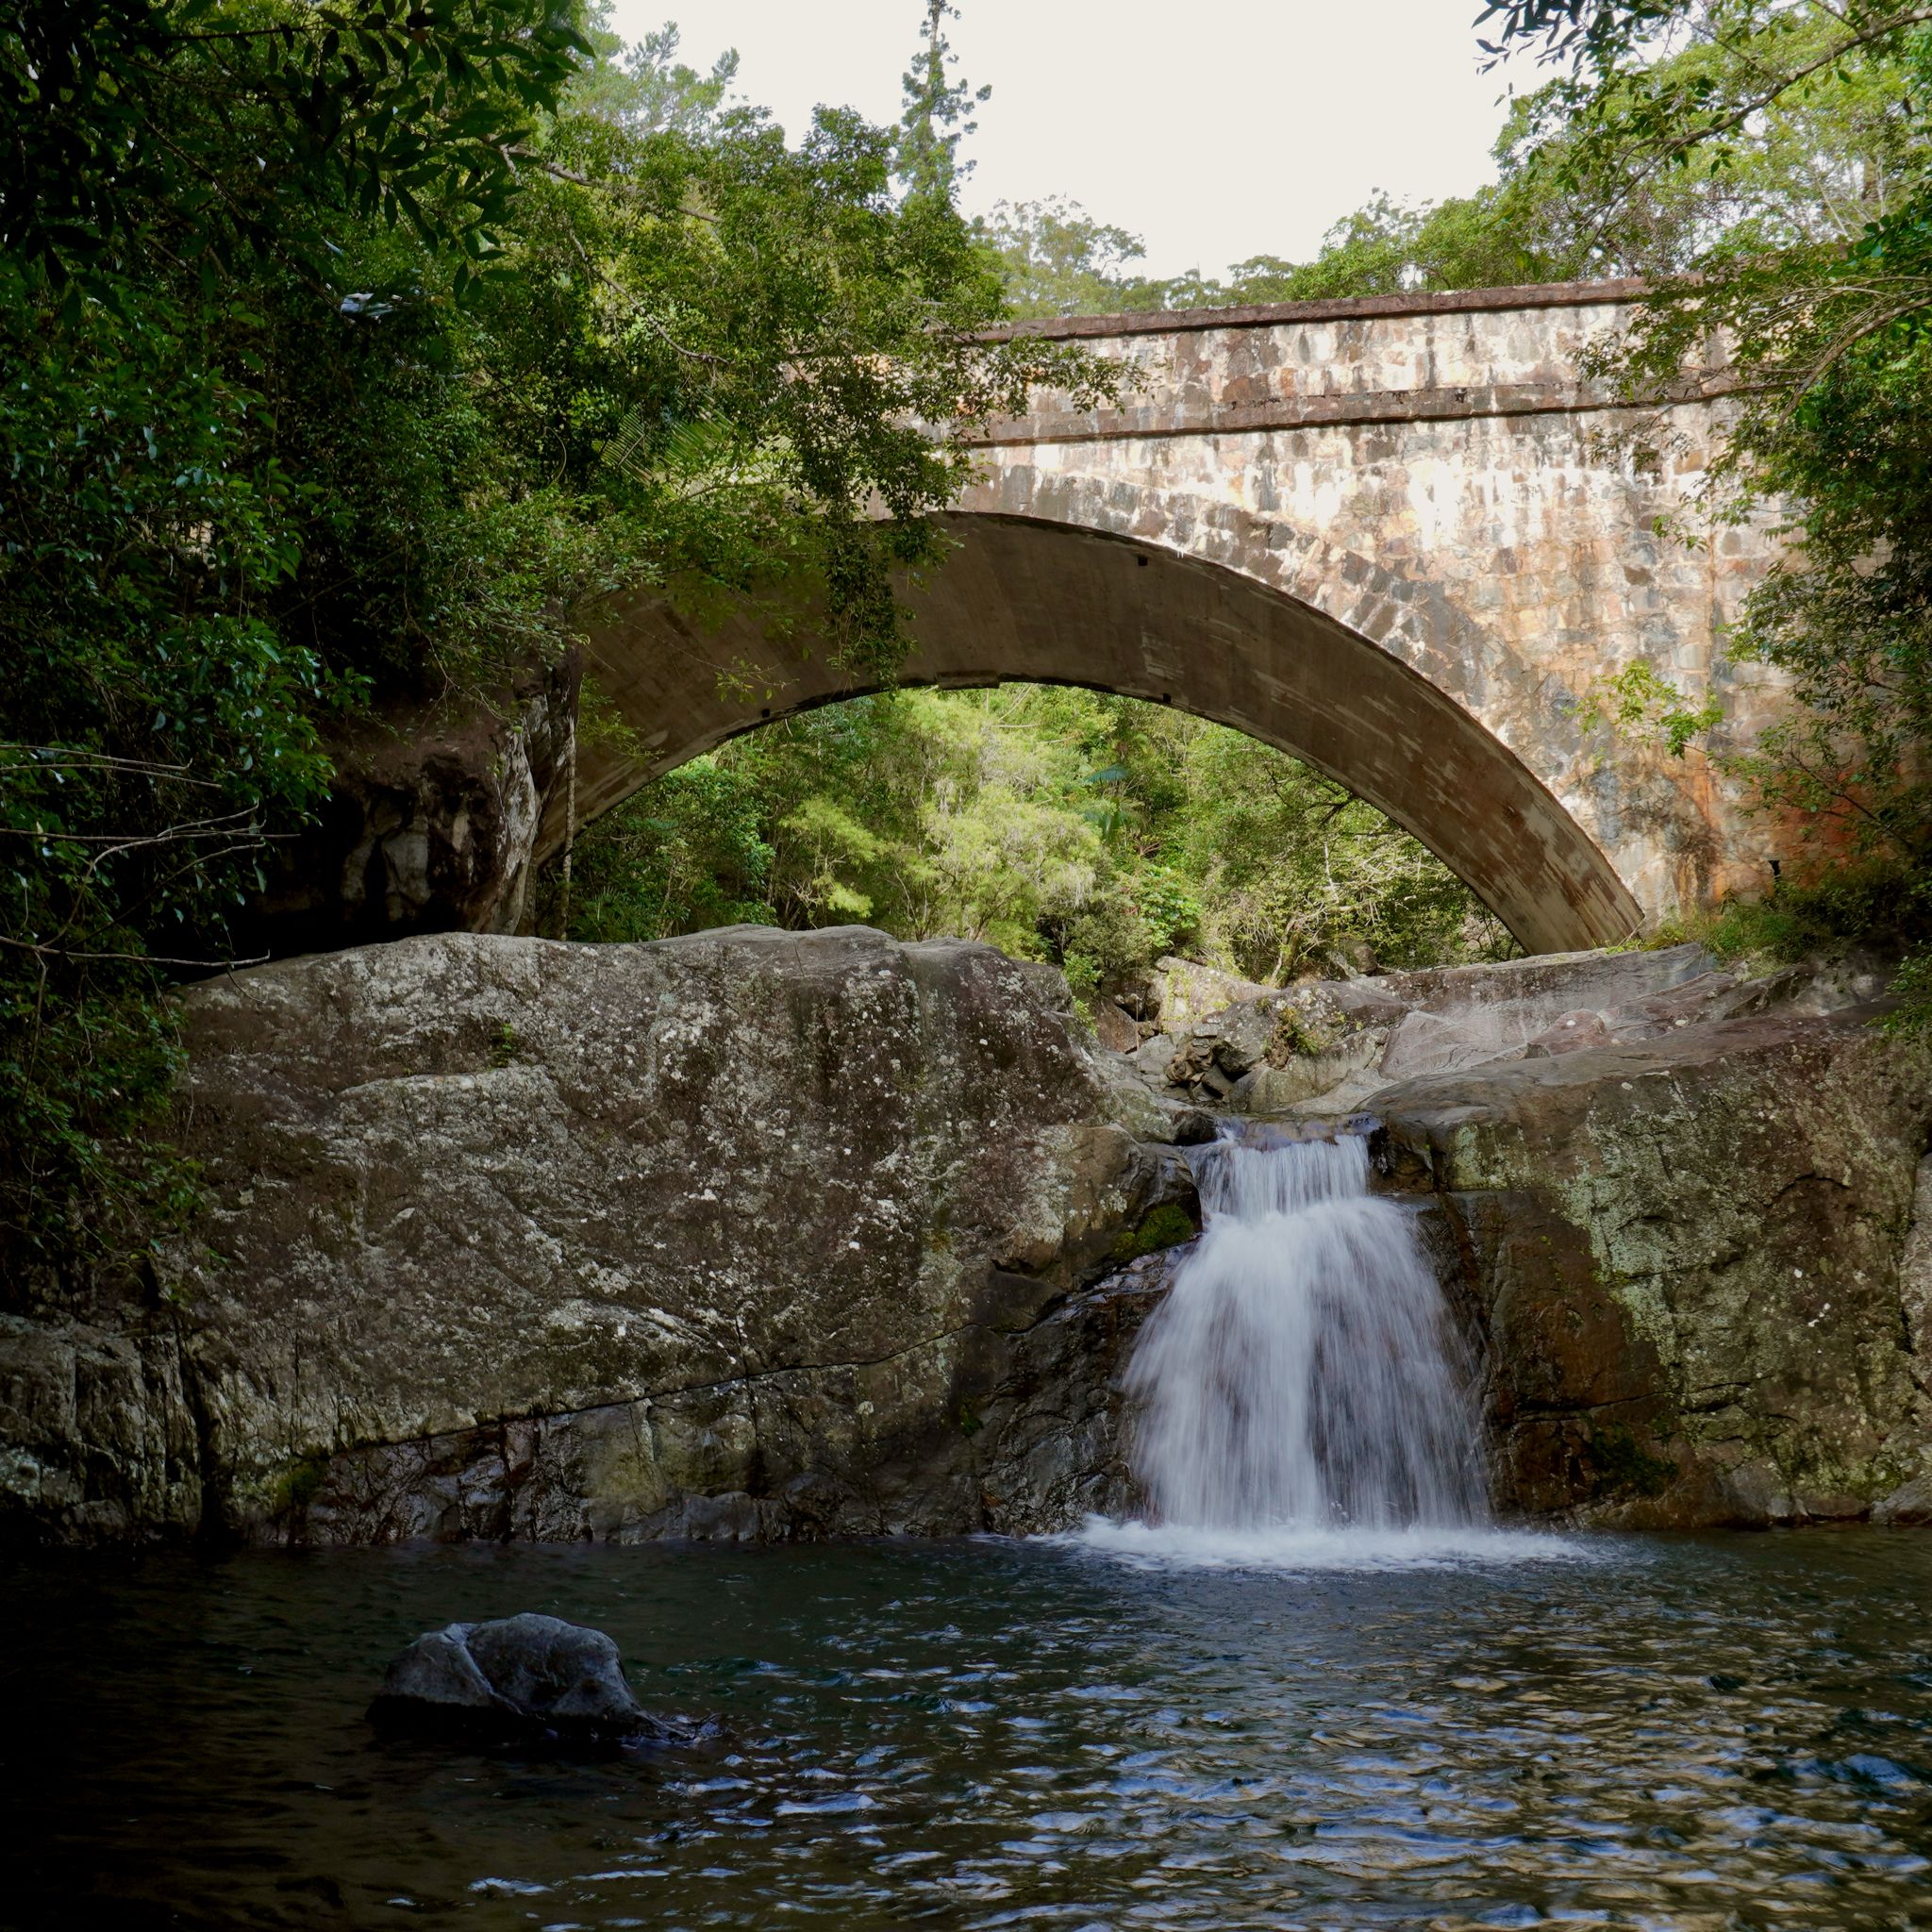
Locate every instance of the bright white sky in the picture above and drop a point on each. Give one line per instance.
(1216, 130)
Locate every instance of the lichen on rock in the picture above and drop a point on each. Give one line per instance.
(1687, 1261)
(714, 1236)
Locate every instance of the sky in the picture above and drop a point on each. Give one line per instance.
(1215, 129)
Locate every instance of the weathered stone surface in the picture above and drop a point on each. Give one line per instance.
(1677, 1210)
(1389, 536)
(1328, 1046)
(1690, 1263)
(97, 1428)
(521, 1679)
(762, 1234)
(1113, 1028)
(1269, 1088)
(430, 825)
(752, 1233)
(1312, 1036)
(1184, 991)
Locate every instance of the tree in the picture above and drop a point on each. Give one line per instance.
(198, 134)
(346, 353)
(1798, 132)
(937, 116)
(1095, 832)
(1056, 260)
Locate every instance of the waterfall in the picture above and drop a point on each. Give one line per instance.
(1303, 1380)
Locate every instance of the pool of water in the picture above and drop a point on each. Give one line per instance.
(1646, 1732)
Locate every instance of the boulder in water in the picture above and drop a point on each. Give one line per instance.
(516, 1679)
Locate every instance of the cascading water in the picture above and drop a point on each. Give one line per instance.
(1303, 1380)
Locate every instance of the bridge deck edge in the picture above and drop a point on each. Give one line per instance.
(1335, 309)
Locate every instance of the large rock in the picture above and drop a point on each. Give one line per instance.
(522, 1679)
(748, 1234)
(1329, 1047)
(433, 823)
(1694, 1265)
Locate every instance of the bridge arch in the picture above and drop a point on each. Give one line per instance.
(1405, 537)
(1042, 590)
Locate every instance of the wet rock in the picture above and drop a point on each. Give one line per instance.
(97, 1431)
(527, 1679)
(1908, 1506)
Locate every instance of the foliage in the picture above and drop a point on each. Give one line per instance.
(1097, 832)
(346, 351)
(155, 718)
(129, 128)
(1058, 260)
(1794, 134)
(937, 114)
(1849, 616)
(1300, 876)
(1641, 703)
(1875, 905)
(1166, 1226)
(684, 854)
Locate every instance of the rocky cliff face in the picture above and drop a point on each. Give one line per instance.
(767, 1235)
(433, 823)
(750, 1234)
(1692, 1266)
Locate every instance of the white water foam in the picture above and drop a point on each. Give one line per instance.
(1303, 1399)
(1160, 1546)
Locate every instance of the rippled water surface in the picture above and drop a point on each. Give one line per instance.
(1643, 1732)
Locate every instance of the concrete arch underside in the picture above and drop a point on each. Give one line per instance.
(1020, 600)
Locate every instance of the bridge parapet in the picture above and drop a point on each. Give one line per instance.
(1385, 359)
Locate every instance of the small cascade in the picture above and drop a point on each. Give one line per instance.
(1304, 1375)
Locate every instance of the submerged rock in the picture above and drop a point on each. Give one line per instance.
(526, 1678)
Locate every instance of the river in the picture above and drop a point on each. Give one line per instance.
(1730, 1731)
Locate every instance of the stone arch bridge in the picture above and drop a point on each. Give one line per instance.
(1401, 538)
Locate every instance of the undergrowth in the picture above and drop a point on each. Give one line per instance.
(1882, 909)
